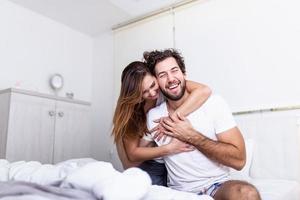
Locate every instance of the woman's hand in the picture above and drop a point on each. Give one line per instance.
(159, 130)
(176, 146)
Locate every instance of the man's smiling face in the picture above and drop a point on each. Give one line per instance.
(170, 78)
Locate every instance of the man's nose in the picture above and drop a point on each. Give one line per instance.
(170, 78)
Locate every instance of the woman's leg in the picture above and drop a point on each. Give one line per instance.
(157, 172)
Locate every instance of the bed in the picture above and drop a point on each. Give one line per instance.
(269, 188)
(90, 179)
(85, 178)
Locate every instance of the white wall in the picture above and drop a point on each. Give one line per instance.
(102, 100)
(131, 42)
(245, 50)
(33, 47)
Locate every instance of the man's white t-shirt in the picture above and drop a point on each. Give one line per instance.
(193, 171)
(147, 136)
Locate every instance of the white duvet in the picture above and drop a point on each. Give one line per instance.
(97, 177)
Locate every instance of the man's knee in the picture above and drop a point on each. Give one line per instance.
(237, 190)
(247, 191)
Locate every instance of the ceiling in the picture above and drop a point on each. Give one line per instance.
(93, 17)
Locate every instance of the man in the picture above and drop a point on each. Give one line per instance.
(211, 130)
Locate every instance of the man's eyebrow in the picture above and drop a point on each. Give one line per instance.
(175, 67)
(161, 73)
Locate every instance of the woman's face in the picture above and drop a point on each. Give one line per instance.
(150, 88)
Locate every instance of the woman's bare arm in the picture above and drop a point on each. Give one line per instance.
(136, 153)
(139, 152)
(126, 163)
(199, 93)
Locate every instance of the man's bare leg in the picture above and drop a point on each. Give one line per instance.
(237, 190)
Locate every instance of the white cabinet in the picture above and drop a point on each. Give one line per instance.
(71, 131)
(41, 127)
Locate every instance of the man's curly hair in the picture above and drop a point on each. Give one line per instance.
(154, 57)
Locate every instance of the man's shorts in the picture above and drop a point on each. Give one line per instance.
(211, 190)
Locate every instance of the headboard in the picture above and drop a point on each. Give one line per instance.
(277, 143)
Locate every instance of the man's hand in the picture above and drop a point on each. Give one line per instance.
(178, 127)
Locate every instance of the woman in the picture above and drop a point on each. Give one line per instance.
(139, 93)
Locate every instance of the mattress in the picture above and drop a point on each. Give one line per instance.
(272, 189)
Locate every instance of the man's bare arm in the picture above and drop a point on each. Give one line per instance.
(228, 150)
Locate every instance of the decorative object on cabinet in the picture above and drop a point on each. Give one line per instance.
(56, 82)
(46, 128)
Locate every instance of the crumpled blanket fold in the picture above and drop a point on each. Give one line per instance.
(84, 178)
(18, 189)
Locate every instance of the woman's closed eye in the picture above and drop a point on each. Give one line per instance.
(153, 85)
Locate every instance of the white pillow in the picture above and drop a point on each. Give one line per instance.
(4, 169)
(22, 171)
(132, 184)
(244, 174)
(87, 176)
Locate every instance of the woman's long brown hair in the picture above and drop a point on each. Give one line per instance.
(130, 119)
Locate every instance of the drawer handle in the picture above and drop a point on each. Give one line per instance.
(61, 114)
(51, 113)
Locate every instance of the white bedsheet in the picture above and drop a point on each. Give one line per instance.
(101, 179)
(97, 177)
(163, 193)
